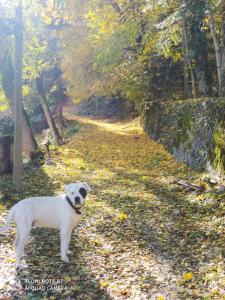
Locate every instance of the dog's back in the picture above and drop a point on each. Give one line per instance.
(40, 211)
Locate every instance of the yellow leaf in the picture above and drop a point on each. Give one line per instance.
(160, 298)
(11, 260)
(103, 283)
(187, 276)
(122, 217)
(67, 279)
(96, 242)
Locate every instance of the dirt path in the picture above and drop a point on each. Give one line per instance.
(142, 236)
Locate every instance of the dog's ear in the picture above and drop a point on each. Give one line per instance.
(66, 188)
(86, 186)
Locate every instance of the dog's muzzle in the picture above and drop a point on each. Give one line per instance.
(76, 207)
(77, 201)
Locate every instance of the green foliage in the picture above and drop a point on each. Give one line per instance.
(112, 50)
(113, 42)
(6, 121)
(71, 128)
(3, 102)
(219, 147)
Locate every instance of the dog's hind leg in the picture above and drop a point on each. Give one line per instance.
(20, 244)
(16, 242)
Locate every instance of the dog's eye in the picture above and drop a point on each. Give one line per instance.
(72, 193)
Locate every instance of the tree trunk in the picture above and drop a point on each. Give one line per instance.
(29, 141)
(217, 50)
(6, 154)
(223, 62)
(47, 112)
(17, 154)
(223, 73)
(187, 54)
(59, 105)
(60, 117)
(7, 69)
(199, 44)
(202, 85)
(186, 73)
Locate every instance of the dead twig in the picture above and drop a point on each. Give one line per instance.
(191, 186)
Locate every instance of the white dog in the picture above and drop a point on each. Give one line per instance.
(60, 212)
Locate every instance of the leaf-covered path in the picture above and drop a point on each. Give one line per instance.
(141, 237)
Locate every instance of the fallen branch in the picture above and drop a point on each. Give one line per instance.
(191, 186)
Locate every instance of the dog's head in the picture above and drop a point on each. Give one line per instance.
(77, 192)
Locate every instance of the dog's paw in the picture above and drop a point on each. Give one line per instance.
(69, 252)
(21, 268)
(65, 259)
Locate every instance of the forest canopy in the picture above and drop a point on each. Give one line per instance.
(138, 50)
(144, 50)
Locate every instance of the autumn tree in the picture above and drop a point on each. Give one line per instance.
(7, 72)
(41, 56)
(17, 153)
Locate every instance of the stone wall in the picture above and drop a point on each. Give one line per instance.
(192, 130)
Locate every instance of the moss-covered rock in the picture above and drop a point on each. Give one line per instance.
(193, 130)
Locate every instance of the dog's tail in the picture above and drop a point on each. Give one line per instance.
(9, 219)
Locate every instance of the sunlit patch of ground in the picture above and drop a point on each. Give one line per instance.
(123, 127)
(141, 237)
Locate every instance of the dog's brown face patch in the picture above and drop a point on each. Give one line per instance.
(83, 192)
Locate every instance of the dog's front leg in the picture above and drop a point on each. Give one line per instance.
(65, 233)
(68, 242)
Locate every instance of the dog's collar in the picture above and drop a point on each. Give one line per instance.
(77, 210)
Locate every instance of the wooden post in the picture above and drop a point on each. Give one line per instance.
(6, 154)
(17, 154)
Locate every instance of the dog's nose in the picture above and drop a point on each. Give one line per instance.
(77, 200)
